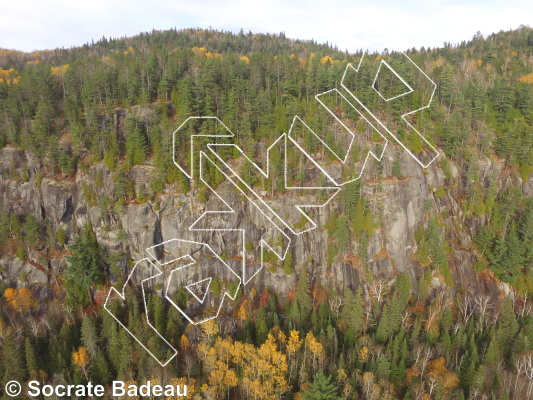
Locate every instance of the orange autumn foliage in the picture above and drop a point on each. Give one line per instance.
(526, 78)
(212, 55)
(437, 366)
(411, 373)
(81, 358)
(21, 300)
(10, 76)
(447, 380)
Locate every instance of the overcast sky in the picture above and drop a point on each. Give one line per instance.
(351, 24)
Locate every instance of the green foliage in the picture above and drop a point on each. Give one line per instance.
(21, 252)
(397, 167)
(508, 324)
(287, 264)
(89, 336)
(215, 286)
(321, 389)
(342, 233)
(446, 169)
(13, 362)
(506, 248)
(136, 144)
(89, 195)
(86, 262)
(31, 357)
(15, 225)
(120, 114)
(303, 302)
(202, 195)
(262, 326)
(432, 250)
(61, 236)
(440, 192)
(39, 179)
(32, 230)
(358, 221)
(353, 312)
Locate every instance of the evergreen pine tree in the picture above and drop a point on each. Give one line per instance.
(86, 261)
(353, 312)
(508, 322)
(358, 221)
(383, 329)
(321, 389)
(383, 367)
(32, 230)
(89, 336)
(303, 297)
(102, 371)
(31, 357)
(261, 326)
(13, 362)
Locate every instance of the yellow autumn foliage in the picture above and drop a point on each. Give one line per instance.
(199, 50)
(60, 70)
(21, 300)
(260, 372)
(212, 55)
(210, 328)
(10, 76)
(182, 381)
(185, 343)
(363, 354)
(526, 78)
(294, 343)
(81, 358)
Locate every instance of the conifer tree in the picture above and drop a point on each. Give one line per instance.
(13, 362)
(86, 261)
(508, 327)
(353, 312)
(31, 357)
(303, 298)
(89, 336)
(321, 389)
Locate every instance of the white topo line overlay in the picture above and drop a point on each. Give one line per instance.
(403, 116)
(279, 224)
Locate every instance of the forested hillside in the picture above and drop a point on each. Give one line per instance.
(417, 285)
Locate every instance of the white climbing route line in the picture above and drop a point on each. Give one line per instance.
(188, 268)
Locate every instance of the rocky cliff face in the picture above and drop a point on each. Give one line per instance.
(402, 205)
